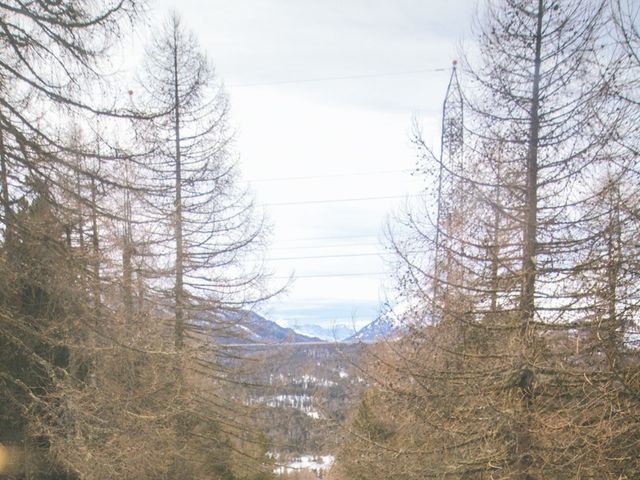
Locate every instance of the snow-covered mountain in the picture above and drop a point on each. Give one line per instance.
(245, 327)
(336, 333)
(382, 328)
(240, 327)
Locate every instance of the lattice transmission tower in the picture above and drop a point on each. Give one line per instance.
(450, 169)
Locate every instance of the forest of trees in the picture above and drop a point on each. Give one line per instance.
(123, 235)
(127, 242)
(518, 274)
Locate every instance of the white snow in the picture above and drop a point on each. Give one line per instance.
(317, 464)
(303, 403)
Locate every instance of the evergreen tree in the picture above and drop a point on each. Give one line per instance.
(505, 375)
(204, 235)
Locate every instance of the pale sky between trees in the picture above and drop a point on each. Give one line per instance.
(323, 96)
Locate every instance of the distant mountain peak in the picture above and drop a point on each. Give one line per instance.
(336, 333)
(247, 327)
(382, 328)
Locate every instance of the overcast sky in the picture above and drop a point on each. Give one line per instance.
(323, 94)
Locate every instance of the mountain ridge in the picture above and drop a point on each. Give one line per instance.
(336, 333)
(382, 328)
(247, 327)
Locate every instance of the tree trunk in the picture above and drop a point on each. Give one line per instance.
(179, 287)
(95, 243)
(179, 463)
(8, 227)
(527, 298)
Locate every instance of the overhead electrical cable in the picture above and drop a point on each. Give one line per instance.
(331, 275)
(334, 237)
(337, 200)
(340, 255)
(329, 175)
(348, 245)
(338, 78)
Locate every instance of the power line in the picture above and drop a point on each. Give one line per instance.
(349, 245)
(338, 78)
(337, 200)
(331, 275)
(335, 237)
(334, 175)
(341, 255)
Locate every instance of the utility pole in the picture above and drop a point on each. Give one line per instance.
(450, 160)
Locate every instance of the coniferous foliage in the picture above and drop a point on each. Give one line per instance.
(128, 247)
(521, 359)
(50, 58)
(202, 231)
(208, 222)
(95, 374)
(41, 307)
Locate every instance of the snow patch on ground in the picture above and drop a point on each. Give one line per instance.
(317, 464)
(303, 403)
